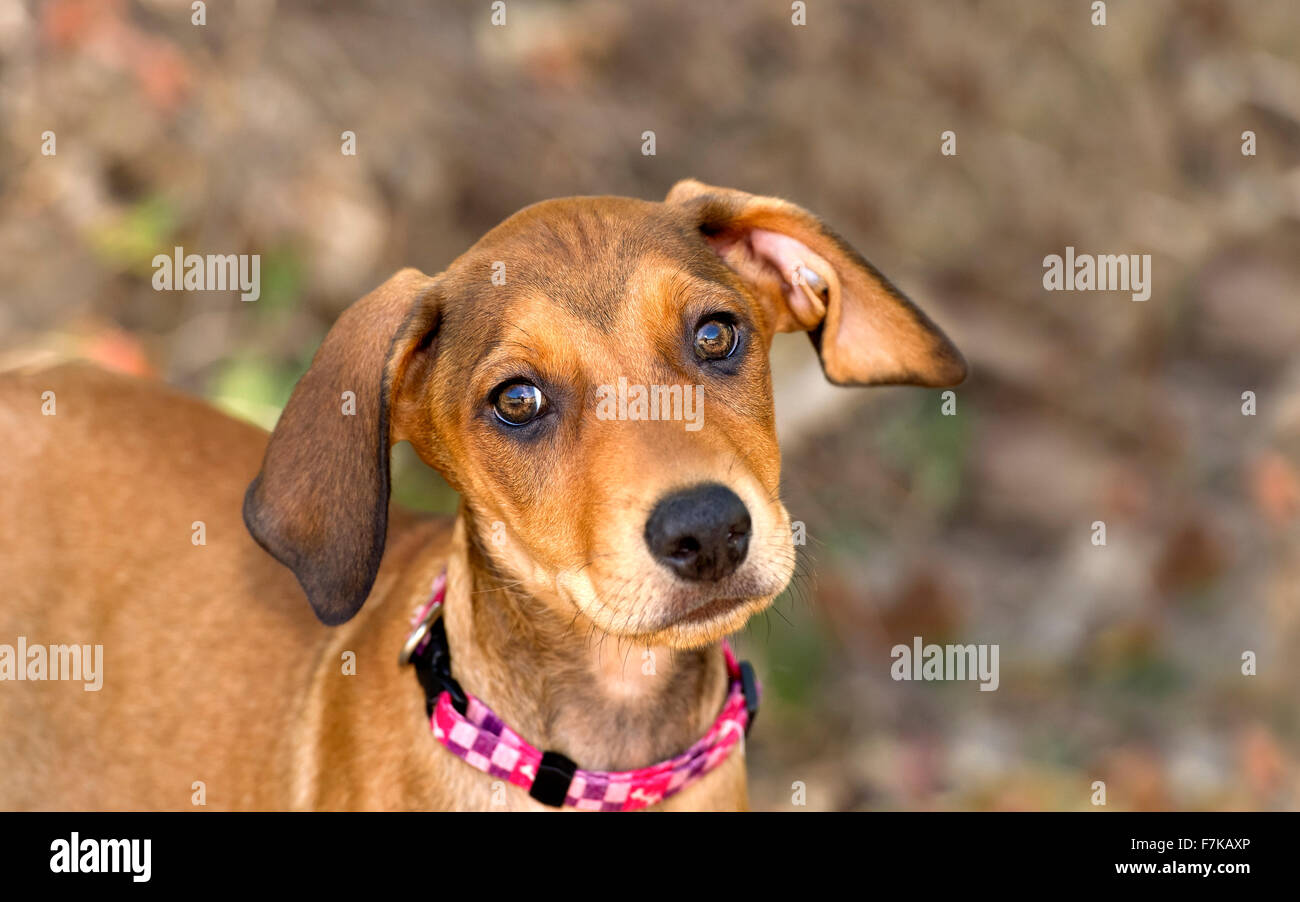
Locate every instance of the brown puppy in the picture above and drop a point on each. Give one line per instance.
(585, 537)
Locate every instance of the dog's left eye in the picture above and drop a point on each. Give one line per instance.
(517, 403)
(715, 339)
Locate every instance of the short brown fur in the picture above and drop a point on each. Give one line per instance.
(217, 672)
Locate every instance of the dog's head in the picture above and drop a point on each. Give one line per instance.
(592, 377)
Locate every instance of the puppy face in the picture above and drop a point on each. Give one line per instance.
(592, 377)
(607, 415)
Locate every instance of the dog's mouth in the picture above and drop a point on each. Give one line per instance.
(711, 609)
(706, 616)
(707, 620)
(654, 607)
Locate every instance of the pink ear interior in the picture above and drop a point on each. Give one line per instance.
(865, 330)
(801, 271)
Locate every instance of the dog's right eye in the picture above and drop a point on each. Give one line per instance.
(716, 338)
(517, 403)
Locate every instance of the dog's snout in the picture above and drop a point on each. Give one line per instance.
(700, 533)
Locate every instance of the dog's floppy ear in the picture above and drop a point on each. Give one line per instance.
(320, 503)
(865, 330)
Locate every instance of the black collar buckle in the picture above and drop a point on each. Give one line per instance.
(433, 668)
(749, 685)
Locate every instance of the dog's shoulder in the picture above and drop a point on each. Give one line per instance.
(120, 464)
(88, 415)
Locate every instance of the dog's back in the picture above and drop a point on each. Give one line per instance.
(105, 482)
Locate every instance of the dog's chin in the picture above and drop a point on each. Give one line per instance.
(685, 626)
(661, 610)
(710, 622)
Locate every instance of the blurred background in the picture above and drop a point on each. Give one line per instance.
(1120, 663)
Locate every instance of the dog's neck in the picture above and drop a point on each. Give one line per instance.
(606, 702)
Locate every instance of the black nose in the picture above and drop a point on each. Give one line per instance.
(700, 533)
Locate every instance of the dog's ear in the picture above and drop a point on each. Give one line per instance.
(865, 330)
(320, 503)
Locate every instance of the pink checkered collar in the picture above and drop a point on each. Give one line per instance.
(472, 732)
